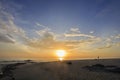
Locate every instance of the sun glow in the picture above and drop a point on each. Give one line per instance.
(60, 53)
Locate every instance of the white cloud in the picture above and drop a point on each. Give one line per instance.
(79, 35)
(43, 31)
(91, 32)
(9, 31)
(38, 24)
(74, 30)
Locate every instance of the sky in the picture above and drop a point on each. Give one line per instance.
(35, 29)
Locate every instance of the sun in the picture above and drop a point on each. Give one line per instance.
(60, 53)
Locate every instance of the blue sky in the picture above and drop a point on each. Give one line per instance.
(100, 16)
(92, 24)
(97, 15)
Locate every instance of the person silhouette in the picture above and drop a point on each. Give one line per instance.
(98, 57)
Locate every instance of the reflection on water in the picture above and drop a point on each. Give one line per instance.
(61, 59)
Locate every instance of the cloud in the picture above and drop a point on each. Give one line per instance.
(38, 24)
(91, 32)
(79, 35)
(108, 45)
(75, 32)
(84, 40)
(117, 36)
(44, 31)
(109, 42)
(9, 31)
(45, 41)
(6, 28)
(118, 44)
(48, 40)
(7, 38)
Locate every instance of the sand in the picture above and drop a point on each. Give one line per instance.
(65, 70)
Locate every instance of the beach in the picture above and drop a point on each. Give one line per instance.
(67, 70)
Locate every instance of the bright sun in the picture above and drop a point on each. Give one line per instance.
(60, 53)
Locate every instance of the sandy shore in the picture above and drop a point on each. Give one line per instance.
(66, 70)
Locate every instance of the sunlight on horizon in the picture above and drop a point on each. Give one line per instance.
(60, 54)
(61, 59)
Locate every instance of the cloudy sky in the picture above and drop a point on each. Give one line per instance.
(34, 29)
